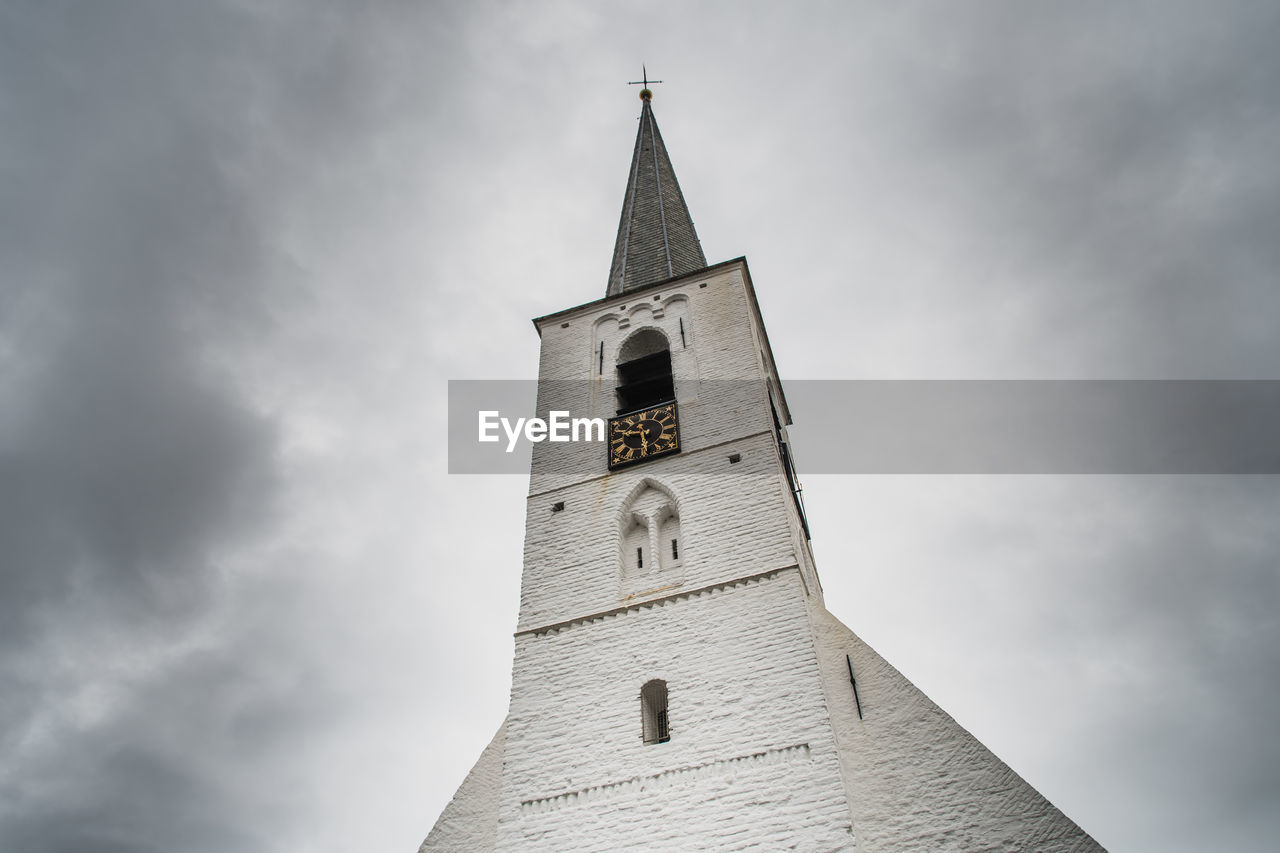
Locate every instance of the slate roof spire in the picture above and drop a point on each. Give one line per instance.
(656, 240)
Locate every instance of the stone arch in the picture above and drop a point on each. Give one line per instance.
(650, 537)
(643, 341)
(639, 488)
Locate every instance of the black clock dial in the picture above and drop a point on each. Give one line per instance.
(643, 435)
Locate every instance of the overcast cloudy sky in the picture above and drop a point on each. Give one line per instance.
(243, 606)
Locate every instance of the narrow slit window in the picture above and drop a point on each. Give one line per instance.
(675, 550)
(653, 711)
(639, 558)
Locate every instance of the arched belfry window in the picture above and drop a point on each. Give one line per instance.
(644, 371)
(653, 712)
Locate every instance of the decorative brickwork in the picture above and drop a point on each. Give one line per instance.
(666, 779)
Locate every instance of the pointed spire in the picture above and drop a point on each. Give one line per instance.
(656, 240)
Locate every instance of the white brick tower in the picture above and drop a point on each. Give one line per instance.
(678, 684)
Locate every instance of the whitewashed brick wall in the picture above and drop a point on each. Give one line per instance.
(734, 521)
(917, 780)
(751, 763)
(470, 821)
(737, 519)
(720, 375)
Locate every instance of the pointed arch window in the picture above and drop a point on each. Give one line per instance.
(653, 712)
(651, 539)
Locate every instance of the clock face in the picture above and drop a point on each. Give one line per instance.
(643, 435)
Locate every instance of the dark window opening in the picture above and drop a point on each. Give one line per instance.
(645, 382)
(653, 711)
(644, 371)
(639, 558)
(675, 551)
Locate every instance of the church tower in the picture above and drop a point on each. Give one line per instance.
(678, 684)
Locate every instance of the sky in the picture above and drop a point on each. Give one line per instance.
(244, 246)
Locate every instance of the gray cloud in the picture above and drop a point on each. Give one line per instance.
(129, 461)
(1076, 190)
(126, 459)
(175, 623)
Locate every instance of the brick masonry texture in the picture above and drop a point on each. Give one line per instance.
(766, 750)
(722, 384)
(916, 779)
(742, 677)
(470, 821)
(666, 779)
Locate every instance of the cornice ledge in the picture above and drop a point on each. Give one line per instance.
(600, 616)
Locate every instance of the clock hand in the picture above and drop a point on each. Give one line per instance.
(644, 440)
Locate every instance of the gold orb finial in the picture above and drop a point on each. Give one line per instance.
(645, 95)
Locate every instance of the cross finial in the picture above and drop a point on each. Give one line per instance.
(645, 94)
